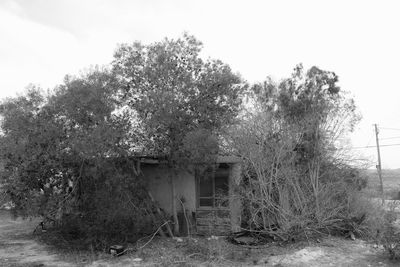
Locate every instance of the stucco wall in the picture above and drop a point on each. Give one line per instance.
(159, 184)
(158, 179)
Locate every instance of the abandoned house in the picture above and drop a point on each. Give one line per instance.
(210, 199)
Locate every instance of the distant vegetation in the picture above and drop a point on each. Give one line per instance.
(391, 183)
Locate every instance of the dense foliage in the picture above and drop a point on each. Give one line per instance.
(296, 177)
(66, 157)
(180, 99)
(69, 155)
(176, 93)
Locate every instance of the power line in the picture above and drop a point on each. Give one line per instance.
(387, 138)
(374, 146)
(391, 145)
(394, 137)
(394, 129)
(370, 140)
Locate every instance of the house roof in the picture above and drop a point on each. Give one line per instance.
(162, 160)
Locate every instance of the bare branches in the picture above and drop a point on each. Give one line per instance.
(295, 174)
(153, 235)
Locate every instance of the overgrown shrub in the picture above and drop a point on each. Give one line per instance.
(382, 225)
(109, 204)
(296, 178)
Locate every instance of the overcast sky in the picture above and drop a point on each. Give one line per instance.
(43, 40)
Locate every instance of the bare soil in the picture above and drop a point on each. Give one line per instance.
(19, 247)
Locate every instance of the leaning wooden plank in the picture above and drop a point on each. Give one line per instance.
(186, 218)
(161, 231)
(159, 213)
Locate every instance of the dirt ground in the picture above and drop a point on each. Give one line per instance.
(19, 247)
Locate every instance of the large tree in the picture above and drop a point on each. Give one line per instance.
(177, 95)
(66, 156)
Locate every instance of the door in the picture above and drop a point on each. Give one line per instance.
(212, 215)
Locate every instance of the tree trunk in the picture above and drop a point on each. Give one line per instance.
(174, 211)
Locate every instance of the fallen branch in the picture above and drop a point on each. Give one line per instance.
(153, 235)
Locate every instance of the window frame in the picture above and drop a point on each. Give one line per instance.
(213, 197)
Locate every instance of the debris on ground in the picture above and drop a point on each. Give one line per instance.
(248, 239)
(213, 237)
(117, 250)
(178, 239)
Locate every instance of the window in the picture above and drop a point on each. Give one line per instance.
(213, 187)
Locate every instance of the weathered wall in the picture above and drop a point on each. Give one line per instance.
(158, 180)
(159, 184)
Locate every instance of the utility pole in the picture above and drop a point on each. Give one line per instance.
(379, 166)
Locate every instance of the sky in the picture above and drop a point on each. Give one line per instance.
(43, 40)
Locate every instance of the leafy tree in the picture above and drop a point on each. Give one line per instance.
(324, 114)
(315, 104)
(67, 154)
(176, 93)
(28, 144)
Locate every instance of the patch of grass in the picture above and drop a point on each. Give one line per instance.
(194, 252)
(391, 183)
(74, 251)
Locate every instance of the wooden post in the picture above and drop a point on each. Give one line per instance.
(379, 166)
(186, 217)
(174, 211)
(160, 214)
